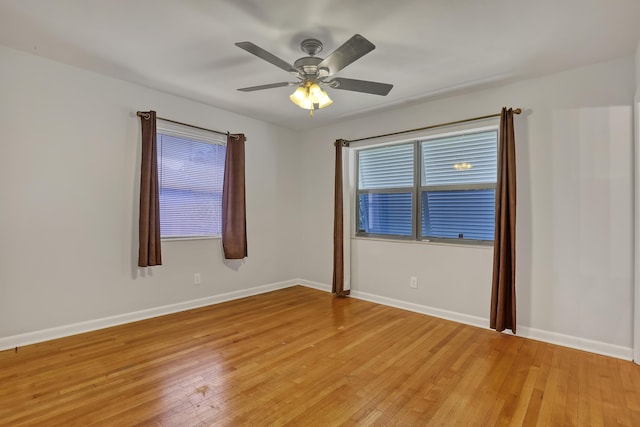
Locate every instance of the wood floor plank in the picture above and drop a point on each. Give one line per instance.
(298, 356)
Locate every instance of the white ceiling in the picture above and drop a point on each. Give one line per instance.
(425, 48)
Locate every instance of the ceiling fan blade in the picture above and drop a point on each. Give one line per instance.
(267, 56)
(269, 86)
(354, 48)
(360, 86)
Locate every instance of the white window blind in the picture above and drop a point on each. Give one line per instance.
(386, 167)
(386, 213)
(190, 173)
(461, 214)
(463, 159)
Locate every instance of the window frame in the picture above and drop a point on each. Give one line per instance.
(194, 134)
(418, 189)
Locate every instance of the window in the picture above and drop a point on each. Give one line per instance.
(386, 190)
(440, 188)
(190, 174)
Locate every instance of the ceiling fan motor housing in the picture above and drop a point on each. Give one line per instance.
(309, 67)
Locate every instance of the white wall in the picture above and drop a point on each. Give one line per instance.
(69, 178)
(575, 209)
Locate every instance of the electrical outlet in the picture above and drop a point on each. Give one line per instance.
(197, 279)
(413, 282)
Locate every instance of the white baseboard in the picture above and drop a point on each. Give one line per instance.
(422, 309)
(314, 285)
(106, 322)
(578, 343)
(523, 331)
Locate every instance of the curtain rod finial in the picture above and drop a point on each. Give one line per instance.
(517, 110)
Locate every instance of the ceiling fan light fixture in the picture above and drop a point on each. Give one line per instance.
(299, 95)
(310, 97)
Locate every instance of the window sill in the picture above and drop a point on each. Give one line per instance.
(425, 242)
(176, 239)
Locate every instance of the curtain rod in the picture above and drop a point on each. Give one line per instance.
(146, 116)
(473, 119)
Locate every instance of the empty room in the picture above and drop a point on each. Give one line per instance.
(219, 212)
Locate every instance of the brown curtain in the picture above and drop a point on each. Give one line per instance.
(503, 292)
(338, 226)
(149, 221)
(234, 217)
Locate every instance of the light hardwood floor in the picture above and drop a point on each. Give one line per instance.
(301, 357)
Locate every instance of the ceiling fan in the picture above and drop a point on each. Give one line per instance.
(313, 72)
